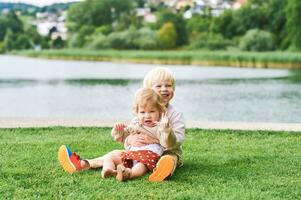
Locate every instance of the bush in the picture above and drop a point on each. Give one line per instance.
(58, 43)
(148, 39)
(99, 42)
(167, 36)
(2, 48)
(22, 42)
(257, 40)
(144, 38)
(81, 38)
(117, 40)
(210, 41)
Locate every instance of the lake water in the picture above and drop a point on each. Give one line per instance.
(101, 90)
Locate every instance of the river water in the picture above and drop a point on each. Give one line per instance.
(31, 87)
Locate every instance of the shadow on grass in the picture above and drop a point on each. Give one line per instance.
(230, 169)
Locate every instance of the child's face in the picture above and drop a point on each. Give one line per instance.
(165, 89)
(148, 115)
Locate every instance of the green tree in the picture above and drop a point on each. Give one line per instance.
(10, 21)
(252, 16)
(96, 13)
(275, 10)
(165, 16)
(126, 20)
(81, 38)
(34, 36)
(14, 23)
(22, 42)
(227, 24)
(198, 24)
(293, 25)
(58, 43)
(9, 40)
(3, 27)
(167, 36)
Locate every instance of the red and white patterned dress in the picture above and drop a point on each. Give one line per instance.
(147, 154)
(146, 157)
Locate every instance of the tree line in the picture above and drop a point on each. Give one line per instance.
(259, 25)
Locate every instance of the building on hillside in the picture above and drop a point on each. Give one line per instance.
(146, 14)
(216, 7)
(51, 25)
(238, 4)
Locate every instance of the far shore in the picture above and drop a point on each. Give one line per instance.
(39, 122)
(278, 60)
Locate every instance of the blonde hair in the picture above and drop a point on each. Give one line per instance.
(157, 75)
(146, 96)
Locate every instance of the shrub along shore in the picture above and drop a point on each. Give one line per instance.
(288, 60)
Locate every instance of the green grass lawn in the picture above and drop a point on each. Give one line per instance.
(217, 165)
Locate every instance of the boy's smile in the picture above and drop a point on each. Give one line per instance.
(165, 89)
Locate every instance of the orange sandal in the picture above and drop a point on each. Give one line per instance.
(69, 160)
(165, 167)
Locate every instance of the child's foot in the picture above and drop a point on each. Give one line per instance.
(165, 167)
(105, 173)
(123, 173)
(69, 160)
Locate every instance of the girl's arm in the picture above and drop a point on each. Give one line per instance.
(119, 133)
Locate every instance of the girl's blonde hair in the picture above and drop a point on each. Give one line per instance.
(157, 75)
(146, 96)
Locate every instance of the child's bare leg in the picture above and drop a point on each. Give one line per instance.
(138, 170)
(92, 163)
(84, 165)
(110, 161)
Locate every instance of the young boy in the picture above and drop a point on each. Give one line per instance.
(163, 82)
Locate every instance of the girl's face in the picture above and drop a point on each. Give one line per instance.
(165, 89)
(148, 115)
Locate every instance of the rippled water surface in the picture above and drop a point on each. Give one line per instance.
(76, 89)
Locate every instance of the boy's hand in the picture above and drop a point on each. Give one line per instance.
(164, 122)
(140, 140)
(119, 127)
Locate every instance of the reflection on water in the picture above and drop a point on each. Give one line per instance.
(101, 81)
(105, 91)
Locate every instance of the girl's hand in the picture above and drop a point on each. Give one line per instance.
(132, 129)
(119, 127)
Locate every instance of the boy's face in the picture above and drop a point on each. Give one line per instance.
(148, 115)
(165, 89)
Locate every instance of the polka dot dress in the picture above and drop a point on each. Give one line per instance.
(146, 157)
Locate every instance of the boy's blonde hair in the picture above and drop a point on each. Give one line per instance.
(157, 75)
(145, 96)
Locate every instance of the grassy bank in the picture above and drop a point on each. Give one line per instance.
(211, 58)
(218, 165)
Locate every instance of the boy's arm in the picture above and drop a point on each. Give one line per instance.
(173, 136)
